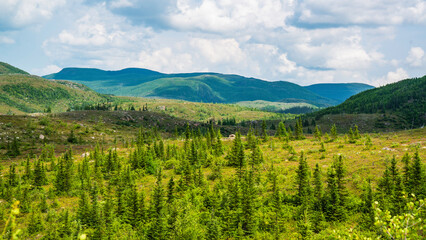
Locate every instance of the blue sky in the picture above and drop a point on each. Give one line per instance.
(305, 42)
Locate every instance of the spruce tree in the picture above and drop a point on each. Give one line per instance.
(302, 181)
(317, 133)
(158, 215)
(333, 131)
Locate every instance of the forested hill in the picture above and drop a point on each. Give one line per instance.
(197, 87)
(406, 98)
(338, 91)
(29, 94)
(9, 69)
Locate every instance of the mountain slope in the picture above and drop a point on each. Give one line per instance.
(29, 94)
(338, 91)
(205, 87)
(9, 69)
(405, 99)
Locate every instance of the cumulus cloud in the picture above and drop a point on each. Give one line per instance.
(46, 70)
(226, 16)
(391, 77)
(98, 38)
(271, 39)
(16, 14)
(415, 57)
(219, 50)
(378, 12)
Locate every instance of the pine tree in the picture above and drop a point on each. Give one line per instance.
(248, 204)
(317, 133)
(83, 211)
(39, 175)
(417, 180)
(170, 191)
(236, 156)
(158, 215)
(367, 206)
(302, 181)
(298, 134)
(13, 177)
(36, 222)
(318, 191)
(27, 174)
(264, 132)
(333, 131)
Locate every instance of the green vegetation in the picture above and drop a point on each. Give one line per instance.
(29, 94)
(9, 69)
(154, 184)
(401, 104)
(280, 107)
(199, 87)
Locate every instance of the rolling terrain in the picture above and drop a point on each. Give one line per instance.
(198, 87)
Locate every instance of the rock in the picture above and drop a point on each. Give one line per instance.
(41, 136)
(388, 149)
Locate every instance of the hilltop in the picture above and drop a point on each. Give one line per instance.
(29, 94)
(9, 69)
(198, 87)
(402, 103)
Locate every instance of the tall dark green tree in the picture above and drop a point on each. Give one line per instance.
(158, 228)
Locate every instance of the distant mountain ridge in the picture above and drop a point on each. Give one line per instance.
(198, 87)
(338, 91)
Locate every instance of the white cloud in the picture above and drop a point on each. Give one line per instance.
(6, 40)
(121, 3)
(46, 70)
(415, 57)
(15, 14)
(227, 16)
(381, 12)
(165, 60)
(286, 65)
(391, 77)
(219, 50)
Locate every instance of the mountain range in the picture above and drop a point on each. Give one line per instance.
(205, 87)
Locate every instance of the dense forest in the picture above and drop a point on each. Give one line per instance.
(406, 98)
(200, 185)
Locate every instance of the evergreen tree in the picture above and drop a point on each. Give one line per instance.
(302, 181)
(13, 177)
(83, 211)
(39, 175)
(317, 133)
(298, 132)
(367, 206)
(248, 204)
(333, 131)
(158, 215)
(417, 180)
(36, 222)
(264, 132)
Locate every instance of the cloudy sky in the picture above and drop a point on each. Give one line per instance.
(301, 41)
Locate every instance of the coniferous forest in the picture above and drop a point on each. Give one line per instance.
(198, 184)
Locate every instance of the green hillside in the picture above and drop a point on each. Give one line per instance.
(405, 99)
(200, 87)
(29, 94)
(9, 69)
(338, 91)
